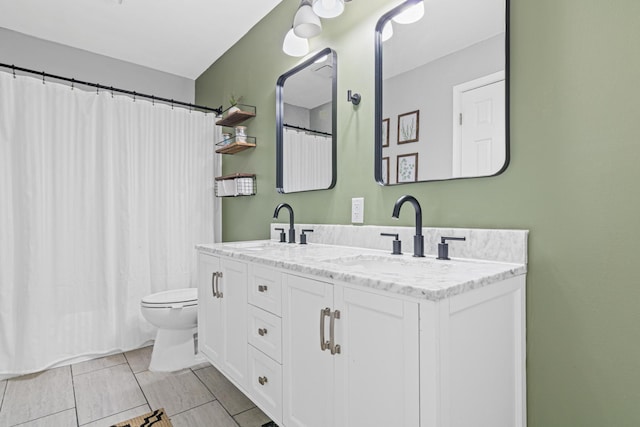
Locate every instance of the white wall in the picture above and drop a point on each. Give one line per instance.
(429, 88)
(42, 55)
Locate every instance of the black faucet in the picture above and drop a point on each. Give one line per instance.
(292, 231)
(418, 239)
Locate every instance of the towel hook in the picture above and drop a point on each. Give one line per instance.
(354, 99)
(73, 84)
(134, 96)
(13, 67)
(43, 77)
(153, 100)
(112, 91)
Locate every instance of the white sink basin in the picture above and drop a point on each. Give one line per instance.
(391, 264)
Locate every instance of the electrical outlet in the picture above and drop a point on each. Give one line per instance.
(357, 210)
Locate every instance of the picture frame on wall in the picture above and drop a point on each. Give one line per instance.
(407, 168)
(385, 170)
(385, 133)
(409, 127)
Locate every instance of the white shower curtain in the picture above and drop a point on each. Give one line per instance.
(102, 199)
(307, 159)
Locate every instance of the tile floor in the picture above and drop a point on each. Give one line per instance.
(105, 391)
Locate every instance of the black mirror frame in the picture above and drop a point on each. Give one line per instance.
(280, 118)
(378, 95)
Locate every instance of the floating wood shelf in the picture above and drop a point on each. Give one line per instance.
(231, 119)
(233, 145)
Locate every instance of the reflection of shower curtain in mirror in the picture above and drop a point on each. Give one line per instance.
(307, 161)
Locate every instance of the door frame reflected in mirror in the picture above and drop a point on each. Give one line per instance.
(280, 118)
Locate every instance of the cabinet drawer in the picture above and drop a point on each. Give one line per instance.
(265, 332)
(265, 383)
(265, 289)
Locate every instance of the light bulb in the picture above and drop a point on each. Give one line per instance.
(411, 14)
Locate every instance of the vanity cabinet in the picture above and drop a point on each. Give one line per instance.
(313, 351)
(222, 314)
(364, 371)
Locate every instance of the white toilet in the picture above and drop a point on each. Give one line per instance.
(175, 314)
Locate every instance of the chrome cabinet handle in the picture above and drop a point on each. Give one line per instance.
(335, 348)
(262, 331)
(219, 294)
(262, 380)
(214, 275)
(262, 288)
(323, 344)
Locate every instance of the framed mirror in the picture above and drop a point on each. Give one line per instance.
(441, 87)
(306, 125)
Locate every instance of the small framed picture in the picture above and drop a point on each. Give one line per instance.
(407, 168)
(385, 170)
(385, 133)
(408, 127)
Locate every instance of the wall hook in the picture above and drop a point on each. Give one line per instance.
(43, 77)
(354, 99)
(73, 84)
(13, 67)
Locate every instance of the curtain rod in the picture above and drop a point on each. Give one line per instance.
(306, 130)
(112, 89)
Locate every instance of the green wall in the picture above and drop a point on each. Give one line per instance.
(575, 126)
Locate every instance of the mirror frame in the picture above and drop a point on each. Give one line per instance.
(280, 118)
(378, 97)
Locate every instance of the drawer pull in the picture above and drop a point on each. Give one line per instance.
(262, 288)
(262, 331)
(262, 380)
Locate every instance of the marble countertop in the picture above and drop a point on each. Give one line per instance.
(423, 278)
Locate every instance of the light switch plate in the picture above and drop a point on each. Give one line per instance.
(357, 210)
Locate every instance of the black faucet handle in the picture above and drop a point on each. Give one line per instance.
(397, 244)
(443, 246)
(283, 235)
(303, 237)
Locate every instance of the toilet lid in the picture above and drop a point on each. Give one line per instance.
(187, 296)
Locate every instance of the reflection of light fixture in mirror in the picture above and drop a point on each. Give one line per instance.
(306, 24)
(328, 8)
(294, 45)
(411, 14)
(387, 31)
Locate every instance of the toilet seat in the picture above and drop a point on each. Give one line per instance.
(176, 298)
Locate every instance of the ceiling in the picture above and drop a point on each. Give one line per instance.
(181, 37)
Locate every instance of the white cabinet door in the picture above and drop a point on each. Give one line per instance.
(377, 370)
(307, 370)
(222, 314)
(210, 331)
(233, 289)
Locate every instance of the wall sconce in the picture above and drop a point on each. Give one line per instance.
(328, 8)
(307, 24)
(294, 45)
